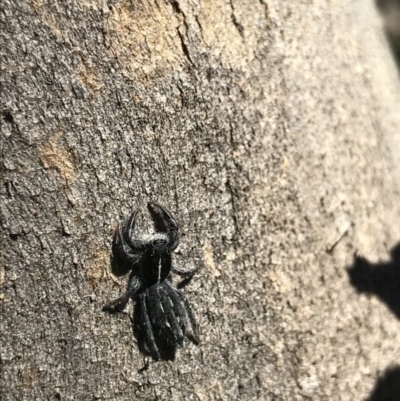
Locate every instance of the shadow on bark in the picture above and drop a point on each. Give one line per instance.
(381, 279)
(390, 11)
(387, 388)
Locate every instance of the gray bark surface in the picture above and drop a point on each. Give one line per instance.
(270, 130)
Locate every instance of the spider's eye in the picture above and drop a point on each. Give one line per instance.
(159, 245)
(159, 242)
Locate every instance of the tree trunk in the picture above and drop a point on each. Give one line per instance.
(269, 130)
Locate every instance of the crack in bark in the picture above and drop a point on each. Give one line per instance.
(175, 5)
(237, 24)
(233, 203)
(185, 48)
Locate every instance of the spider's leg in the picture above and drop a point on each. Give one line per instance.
(165, 222)
(186, 274)
(184, 282)
(135, 245)
(169, 310)
(182, 272)
(194, 337)
(122, 249)
(119, 304)
(148, 329)
(183, 312)
(123, 258)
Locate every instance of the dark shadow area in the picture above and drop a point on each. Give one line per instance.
(381, 279)
(390, 12)
(387, 388)
(394, 43)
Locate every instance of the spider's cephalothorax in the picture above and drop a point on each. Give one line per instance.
(162, 316)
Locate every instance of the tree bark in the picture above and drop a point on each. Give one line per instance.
(269, 130)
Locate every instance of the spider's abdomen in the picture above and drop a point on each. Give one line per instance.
(161, 320)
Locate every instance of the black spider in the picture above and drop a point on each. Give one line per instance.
(162, 316)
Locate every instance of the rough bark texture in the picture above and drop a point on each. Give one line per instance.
(270, 130)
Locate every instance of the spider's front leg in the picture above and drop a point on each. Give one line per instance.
(126, 250)
(136, 245)
(124, 244)
(119, 304)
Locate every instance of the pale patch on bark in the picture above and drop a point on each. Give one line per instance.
(280, 281)
(144, 37)
(54, 156)
(97, 266)
(231, 30)
(2, 280)
(89, 77)
(46, 16)
(94, 4)
(29, 377)
(209, 259)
